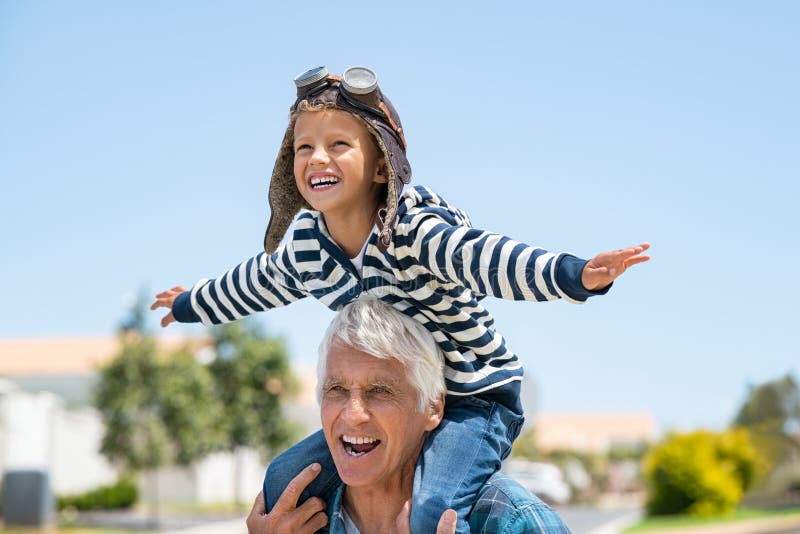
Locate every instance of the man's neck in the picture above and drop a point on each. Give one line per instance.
(350, 229)
(376, 509)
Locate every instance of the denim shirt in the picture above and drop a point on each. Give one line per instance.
(503, 506)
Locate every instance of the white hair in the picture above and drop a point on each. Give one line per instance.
(376, 328)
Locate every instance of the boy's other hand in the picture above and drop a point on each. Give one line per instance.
(165, 299)
(604, 268)
(286, 517)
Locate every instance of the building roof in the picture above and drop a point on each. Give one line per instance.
(593, 432)
(66, 355)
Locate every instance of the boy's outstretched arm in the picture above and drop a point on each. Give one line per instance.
(261, 283)
(491, 264)
(166, 299)
(604, 268)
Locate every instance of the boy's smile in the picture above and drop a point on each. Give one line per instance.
(320, 181)
(336, 164)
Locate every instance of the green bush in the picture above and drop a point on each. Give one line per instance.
(701, 473)
(121, 494)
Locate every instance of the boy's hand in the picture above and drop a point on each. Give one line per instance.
(286, 516)
(606, 266)
(446, 525)
(165, 299)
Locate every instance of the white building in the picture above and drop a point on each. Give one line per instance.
(37, 431)
(47, 422)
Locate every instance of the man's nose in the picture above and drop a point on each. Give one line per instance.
(356, 410)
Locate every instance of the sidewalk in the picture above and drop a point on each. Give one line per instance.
(237, 526)
(771, 525)
(140, 520)
(231, 526)
(619, 524)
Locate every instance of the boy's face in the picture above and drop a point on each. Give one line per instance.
(336, 163)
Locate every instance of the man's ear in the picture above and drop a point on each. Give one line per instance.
(435, 415)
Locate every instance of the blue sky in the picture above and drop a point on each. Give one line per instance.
(137, 138)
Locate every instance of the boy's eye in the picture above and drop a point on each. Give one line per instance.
(302, 147)
(341, 143)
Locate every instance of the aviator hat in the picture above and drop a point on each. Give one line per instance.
(355, 91)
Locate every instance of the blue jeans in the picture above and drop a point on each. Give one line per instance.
(457, 458)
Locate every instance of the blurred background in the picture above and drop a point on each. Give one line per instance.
(136, 144)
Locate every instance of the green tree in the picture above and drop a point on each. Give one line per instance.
(253, 375)
(135, 319)
(157, 409)
(773, 406)
(771, 412)
(701, 473)
(525, 446)
(135, 434)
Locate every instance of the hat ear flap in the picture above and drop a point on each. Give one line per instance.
(284, 198)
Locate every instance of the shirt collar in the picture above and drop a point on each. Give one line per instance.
(335, 519)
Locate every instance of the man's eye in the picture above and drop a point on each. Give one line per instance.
(379, 390)
(336, 389)
(341, 143)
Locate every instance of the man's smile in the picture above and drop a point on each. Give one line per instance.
(359, 445)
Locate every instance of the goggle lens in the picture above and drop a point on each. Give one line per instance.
(310, 76)
(359, 80)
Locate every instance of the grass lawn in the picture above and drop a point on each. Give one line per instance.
(672, 522)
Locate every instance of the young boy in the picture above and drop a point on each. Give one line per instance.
(343, 158)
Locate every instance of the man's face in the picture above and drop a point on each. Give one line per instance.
(336, 163)
(370, 417)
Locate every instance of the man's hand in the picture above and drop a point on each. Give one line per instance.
(606, 266)
(165, 299)
(447, 523)
(286, 517)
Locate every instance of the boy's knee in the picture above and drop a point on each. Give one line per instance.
(427, 509)
(275, 480)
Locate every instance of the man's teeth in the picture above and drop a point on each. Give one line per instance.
(358, 440)
(358, 446)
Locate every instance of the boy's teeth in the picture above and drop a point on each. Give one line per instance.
(324, 180)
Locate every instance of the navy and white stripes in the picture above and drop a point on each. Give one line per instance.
(437, 270)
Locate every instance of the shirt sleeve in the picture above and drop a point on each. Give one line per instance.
(536, 517)
(490, 264)
(258, 284)
(504, 506)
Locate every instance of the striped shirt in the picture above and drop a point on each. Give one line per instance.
(437, 270)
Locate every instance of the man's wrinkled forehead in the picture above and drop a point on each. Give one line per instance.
(347, 365)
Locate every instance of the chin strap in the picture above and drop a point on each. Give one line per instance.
(386, 217)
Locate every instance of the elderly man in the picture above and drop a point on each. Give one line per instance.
(381, 390)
